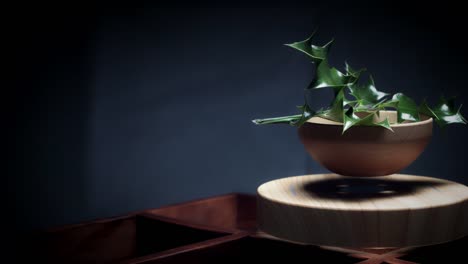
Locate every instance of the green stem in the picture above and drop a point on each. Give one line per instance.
(277, 120)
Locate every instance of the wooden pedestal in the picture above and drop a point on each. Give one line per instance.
(389, 211)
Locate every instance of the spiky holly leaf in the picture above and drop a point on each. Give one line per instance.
(367, 94)
(330, 77)
(444, 112)
(392, 103)
(426, 110)
(316, 53)
(335, 112)
(307, 114)
(385, 124)
(350, 119)
(353, 72)
(407, 109)
(346, 101)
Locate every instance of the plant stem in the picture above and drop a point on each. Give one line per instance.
(277, 120)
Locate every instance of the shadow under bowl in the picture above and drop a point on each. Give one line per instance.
(365, 151)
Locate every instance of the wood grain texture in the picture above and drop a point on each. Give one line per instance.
(390, 211)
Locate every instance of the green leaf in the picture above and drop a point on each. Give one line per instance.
(335, 112)
(326, 77)
(351, 119)
(393, 103)
(406, 108)
(352, 72)
(307, 114)
(426, 110)
(349, 102)
(316, 53)
(367, 94)
(385, 124)
(444, 112)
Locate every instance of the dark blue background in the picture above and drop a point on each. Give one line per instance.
(128, 107)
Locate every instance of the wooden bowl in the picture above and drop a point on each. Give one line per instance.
(365, 150)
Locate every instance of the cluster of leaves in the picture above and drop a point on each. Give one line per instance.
(366, 100)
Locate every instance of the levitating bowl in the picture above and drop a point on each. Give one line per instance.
(366, 150)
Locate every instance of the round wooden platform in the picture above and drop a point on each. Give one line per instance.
(389, 211)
